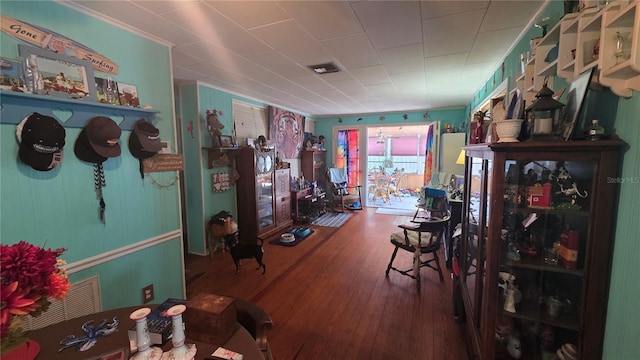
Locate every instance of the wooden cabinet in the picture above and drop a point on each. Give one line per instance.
(264, 205)
(314, 167)
(538, 223)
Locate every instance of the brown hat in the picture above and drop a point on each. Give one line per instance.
(103, 135)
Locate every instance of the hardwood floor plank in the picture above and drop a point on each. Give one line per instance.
(329, 297)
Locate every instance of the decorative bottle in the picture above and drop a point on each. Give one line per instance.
(595, 131)
(143, 342)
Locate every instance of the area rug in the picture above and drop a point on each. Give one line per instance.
(401, 212)
(332, 219)
(293, 231)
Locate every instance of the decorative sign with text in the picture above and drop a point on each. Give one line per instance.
(163, 162)
(49, 40)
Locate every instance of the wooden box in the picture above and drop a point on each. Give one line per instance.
(210, 318)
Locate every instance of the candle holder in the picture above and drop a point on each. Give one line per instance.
(145, 350)
(180, 351)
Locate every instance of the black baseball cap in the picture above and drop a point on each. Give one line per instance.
(42, 139)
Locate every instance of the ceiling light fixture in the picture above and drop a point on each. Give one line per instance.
(381, 137)
(324, 68)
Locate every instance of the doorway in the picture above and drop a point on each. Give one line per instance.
(400, 159)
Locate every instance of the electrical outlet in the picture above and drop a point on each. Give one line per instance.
(147, 294)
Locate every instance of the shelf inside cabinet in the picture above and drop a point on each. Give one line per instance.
(538, 313)
(538, 263)
(545, 211)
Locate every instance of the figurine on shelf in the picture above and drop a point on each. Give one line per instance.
(513, 253)
(478, 135)
(214, 126)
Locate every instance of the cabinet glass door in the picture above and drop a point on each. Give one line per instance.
(264, 194)
(544, 247)
(474, 236)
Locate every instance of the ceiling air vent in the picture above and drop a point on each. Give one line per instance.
(324, 68)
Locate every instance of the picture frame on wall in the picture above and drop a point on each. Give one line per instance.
(59, 75)
(226, 141)
(128, 95)
(10, 75)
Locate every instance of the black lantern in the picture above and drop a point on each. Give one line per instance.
(545, 115)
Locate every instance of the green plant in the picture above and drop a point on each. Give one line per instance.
(387, 163)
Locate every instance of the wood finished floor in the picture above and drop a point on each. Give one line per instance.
(329, 297)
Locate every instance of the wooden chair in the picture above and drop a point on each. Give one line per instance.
(381, 190)
(343, 196)
(257, 322)
(396, 184)
(422, 238)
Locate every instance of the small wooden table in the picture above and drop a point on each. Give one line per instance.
(49, 339)
(303, 202)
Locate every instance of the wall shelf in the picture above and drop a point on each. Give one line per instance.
(15, 106)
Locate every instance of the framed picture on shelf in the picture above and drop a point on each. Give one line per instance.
(575, 98)
(226, 141)
(107, 91)
(10, 75)
(128, 95)
(59, 75)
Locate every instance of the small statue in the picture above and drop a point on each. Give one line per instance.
(214, 126)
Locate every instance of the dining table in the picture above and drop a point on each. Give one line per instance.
(117, 345)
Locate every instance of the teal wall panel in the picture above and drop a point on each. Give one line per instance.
(192, 148)
(59, 207)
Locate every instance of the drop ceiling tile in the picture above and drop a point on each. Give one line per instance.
(506, 14)
(158, 7)
(446, 65)
(324, 19)
(352, 51)
(390, 23)
(371, 75)
(490, 46)
(214, 27)
(311, 82)
(383, 90)
(403, 58)
(434, 9)
(250, 14)
(277, 63)
(293, 42)
(180, 58)
(440, 38)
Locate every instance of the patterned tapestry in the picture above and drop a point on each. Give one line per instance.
(286, 130)
(348, 154)
(429, 151)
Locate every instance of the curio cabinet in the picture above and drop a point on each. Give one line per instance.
(538, 224)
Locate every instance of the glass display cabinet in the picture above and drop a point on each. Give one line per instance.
(538, 221)
(264, 205)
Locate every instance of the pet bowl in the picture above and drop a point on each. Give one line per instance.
(508, 130)
(287, 238)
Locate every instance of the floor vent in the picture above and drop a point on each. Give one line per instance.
(83, 299)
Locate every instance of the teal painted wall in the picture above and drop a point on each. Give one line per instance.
(202, 202)
(619, 116)
(59, 207)
(324, 125)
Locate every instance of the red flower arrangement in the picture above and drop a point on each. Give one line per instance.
(29, 277)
